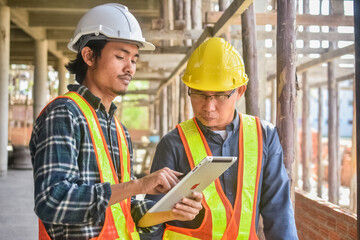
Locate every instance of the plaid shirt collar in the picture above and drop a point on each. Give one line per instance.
(93, 100)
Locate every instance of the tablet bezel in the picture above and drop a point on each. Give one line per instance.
(201, 170)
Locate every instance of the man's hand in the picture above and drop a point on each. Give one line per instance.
(160, 181)
(188, 208)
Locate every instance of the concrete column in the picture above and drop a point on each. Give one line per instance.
(40, 77)
(4, 84)
(63, 81)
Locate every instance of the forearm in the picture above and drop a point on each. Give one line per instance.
(124, 190)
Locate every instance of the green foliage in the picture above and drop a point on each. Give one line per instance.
(135, 117)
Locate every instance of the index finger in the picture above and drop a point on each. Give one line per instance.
(197, 196)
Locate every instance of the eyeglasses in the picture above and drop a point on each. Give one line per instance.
(202, 97)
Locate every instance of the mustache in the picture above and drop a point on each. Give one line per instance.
(126, 76)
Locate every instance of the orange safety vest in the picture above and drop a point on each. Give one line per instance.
(221, 220)
(118, 221)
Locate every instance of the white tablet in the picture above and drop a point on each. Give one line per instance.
(210, 168)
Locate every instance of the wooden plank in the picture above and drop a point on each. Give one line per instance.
(338, 79)
(306, 36)
(301, 19)
(326, 57)
(145, 91)
(231, 14)
(163, 34)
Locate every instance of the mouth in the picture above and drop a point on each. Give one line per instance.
(208, 118)
(126, 79)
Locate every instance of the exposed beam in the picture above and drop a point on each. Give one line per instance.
(150, 75)
(145, 91)
(231, 14)
(172, 49)
(79, 5)
(60, 34)
(306, 36)
(18, 35)
(21, 19)
(66, 20)
(350, 76)
(150, 79)
(151, 35)
(301, 19)
(326, 57)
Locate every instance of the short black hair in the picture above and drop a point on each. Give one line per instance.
(78, 65)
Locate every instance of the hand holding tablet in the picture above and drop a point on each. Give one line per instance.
(201, 176)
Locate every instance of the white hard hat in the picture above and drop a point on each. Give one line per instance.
(112, 22)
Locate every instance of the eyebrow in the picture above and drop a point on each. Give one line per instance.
(126, 51)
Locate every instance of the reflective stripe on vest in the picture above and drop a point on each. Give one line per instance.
(237, 223)
(118, 221)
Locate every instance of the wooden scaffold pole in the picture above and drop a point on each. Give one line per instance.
(357, 91)
(285, 74)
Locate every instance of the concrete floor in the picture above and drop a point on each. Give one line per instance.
(17, 219)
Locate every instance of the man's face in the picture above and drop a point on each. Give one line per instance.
(113, 70)
(215, 112)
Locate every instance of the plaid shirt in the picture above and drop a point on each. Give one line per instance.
(69, 197)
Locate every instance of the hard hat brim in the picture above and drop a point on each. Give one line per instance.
(143, 45)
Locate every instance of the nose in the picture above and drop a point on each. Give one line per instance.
(209, 104)
(129, 67)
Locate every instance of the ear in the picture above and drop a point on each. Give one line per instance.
(87, 55)
(241, 91)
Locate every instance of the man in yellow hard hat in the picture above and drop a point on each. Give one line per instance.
(82, 155)
(257, 184)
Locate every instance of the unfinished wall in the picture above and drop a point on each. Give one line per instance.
(320, 220)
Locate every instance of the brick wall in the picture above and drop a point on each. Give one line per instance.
(317, 219)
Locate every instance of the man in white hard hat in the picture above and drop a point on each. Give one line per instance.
(82, 155)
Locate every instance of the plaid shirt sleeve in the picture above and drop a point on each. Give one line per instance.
(64, 193)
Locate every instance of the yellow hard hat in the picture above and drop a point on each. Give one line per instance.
(215, 66)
